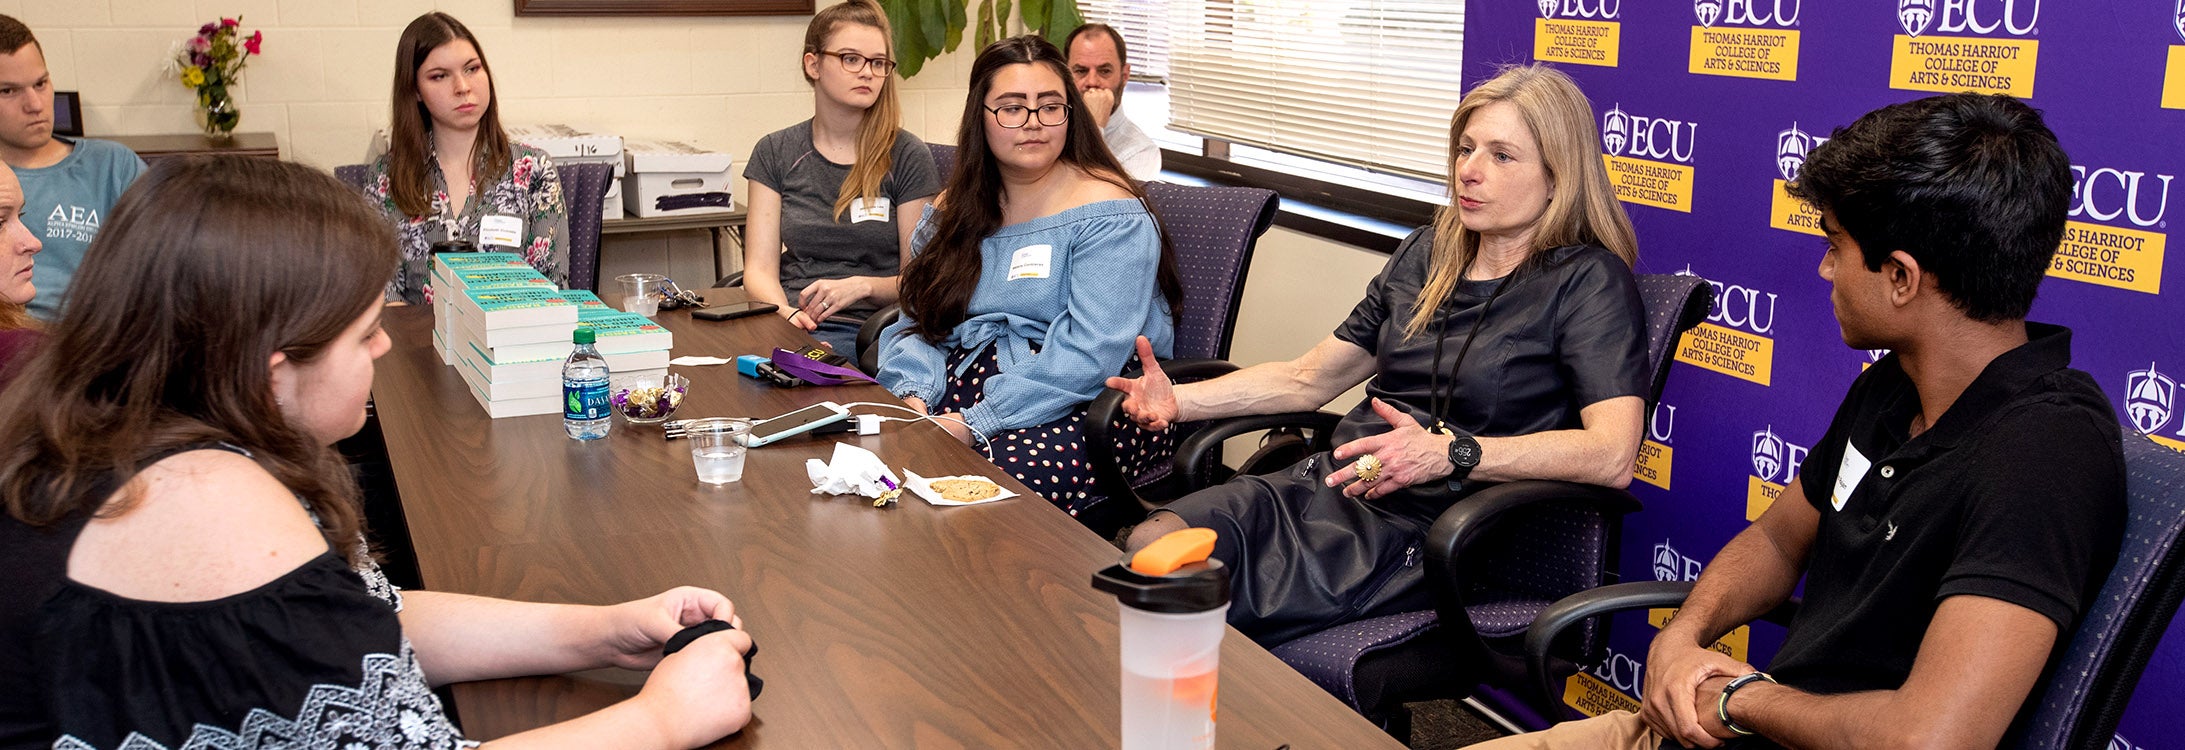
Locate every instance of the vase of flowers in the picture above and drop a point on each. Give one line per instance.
(209, 63)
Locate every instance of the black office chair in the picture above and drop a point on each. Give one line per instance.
(1494, 560)
(2092, 683)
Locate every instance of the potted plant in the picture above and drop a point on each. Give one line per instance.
(924, 29)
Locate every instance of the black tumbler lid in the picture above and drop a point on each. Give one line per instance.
(453, 246)
(1196, 587)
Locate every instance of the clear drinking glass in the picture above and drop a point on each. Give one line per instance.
(640, 293)
(714, 449)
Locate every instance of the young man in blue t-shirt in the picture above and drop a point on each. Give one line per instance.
(69, 183)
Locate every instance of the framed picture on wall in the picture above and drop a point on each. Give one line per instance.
(67, 113)
(663, 7)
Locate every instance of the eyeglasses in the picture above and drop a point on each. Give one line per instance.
(853, 62)
(1017, 115)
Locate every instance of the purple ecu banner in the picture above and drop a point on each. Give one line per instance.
(1707, 107)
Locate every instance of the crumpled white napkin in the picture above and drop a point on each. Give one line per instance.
(693, 360)
(852, 471)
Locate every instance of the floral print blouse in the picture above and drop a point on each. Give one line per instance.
(530, 192)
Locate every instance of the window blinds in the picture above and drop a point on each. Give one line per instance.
(1370, 83)
(1144, 24)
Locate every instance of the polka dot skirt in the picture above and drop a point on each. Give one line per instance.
(1051, 458)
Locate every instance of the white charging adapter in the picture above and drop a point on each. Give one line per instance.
(869, 424)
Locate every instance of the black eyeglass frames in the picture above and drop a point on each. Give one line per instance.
(853, 62)
(1016, 115)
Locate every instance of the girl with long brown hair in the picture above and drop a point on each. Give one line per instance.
(182, 559)
(842, 190)
(1506, 341)
(1035, 271)
(450, 174)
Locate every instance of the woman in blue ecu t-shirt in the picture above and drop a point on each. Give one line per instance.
(1037, 269)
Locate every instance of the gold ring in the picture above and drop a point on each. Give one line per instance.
(1369, 468)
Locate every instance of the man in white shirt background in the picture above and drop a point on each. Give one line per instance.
(1100, 67)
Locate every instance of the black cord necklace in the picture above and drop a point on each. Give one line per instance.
(1440, 400)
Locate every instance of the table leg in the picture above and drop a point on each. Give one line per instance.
(716, 231)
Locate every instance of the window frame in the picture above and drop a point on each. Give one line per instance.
(1352, 215)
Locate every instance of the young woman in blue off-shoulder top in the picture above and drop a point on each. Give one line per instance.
(1036, 271)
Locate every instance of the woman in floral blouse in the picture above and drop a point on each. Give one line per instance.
(447, 132)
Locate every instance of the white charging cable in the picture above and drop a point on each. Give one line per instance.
(983, 443)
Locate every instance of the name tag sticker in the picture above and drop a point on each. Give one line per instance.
(501, 231)
(877, 210)
(1848, 475)
(1030, 262)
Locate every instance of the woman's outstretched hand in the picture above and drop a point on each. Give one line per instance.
(1150, 398)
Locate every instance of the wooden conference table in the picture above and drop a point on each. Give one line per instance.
(909, 626)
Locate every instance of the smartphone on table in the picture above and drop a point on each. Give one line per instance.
(795, 423)
(732, 310)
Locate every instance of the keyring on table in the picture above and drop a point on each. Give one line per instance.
(1369, 468)
(673, 296)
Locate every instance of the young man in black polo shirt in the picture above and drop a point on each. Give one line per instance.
(1967, 498)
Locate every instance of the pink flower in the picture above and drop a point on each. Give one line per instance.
(230, 22)
(522, 171)
(536, 254)
(251, 43)
(200, 44)
(207, 29)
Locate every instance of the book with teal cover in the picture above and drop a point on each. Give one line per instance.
(544, 364)
(604, 312)
(495, 277)
(463, 271)
(584, 301)
(502, 308)
(620, 332)
(444, 263)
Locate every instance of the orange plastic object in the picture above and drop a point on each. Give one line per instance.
(1173, 550)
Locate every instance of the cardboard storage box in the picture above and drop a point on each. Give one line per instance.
(569, 145)
(668, 178)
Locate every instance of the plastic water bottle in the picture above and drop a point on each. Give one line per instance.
(584, 409)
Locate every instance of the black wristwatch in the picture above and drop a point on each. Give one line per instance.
(1463, 458)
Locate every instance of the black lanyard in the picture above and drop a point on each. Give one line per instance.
(1439, 400)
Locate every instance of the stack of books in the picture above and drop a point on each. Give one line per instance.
(453, 273)
(507, 330)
